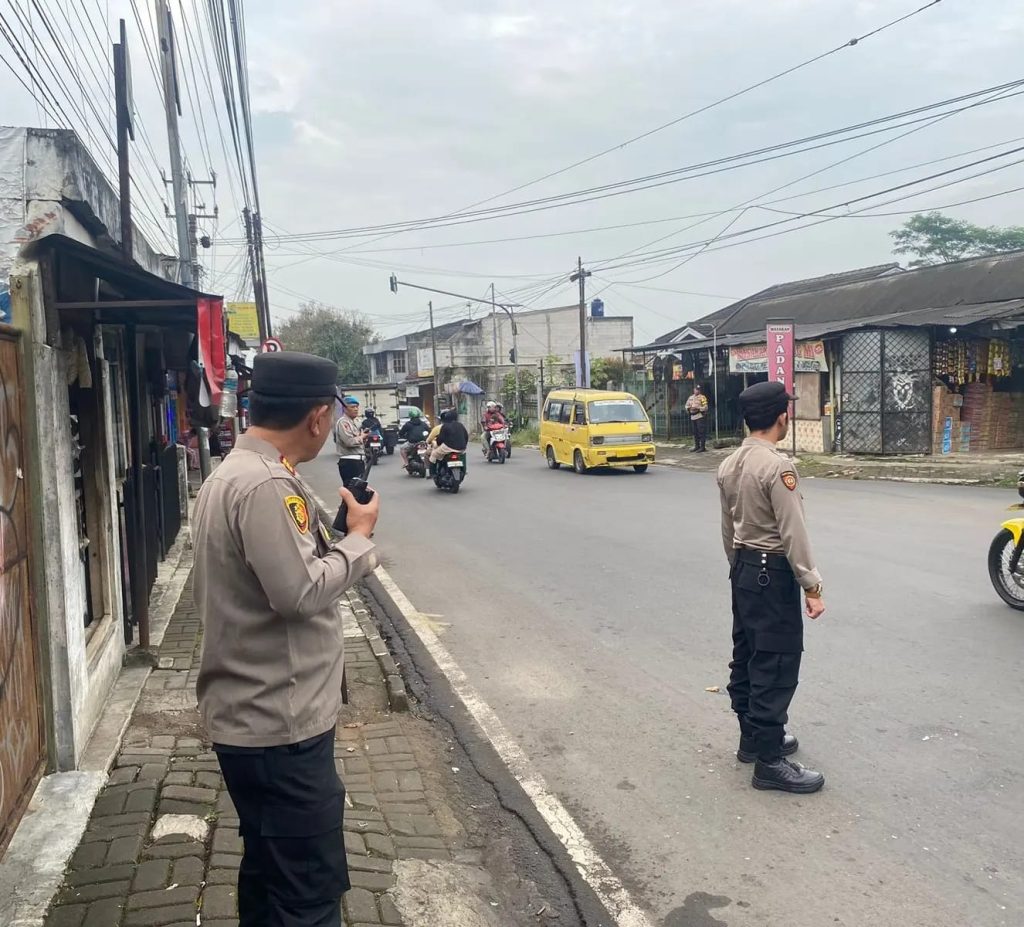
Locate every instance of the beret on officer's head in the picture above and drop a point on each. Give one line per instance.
(765, 399)
(293, 375)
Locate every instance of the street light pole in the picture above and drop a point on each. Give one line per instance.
(494, 326)
(581, 275)
(433, 352)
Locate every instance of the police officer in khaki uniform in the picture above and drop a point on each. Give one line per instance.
(268, 577)
(766, 541)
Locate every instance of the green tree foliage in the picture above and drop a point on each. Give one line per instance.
(605, 370)
(935, 238)
(527, 389)
(321, 329)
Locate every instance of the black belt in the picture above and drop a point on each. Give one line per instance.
(762, 558)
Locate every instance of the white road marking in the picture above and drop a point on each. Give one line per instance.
(595, 872)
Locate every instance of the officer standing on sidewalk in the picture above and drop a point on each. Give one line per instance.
(268, 577)
(766, 541)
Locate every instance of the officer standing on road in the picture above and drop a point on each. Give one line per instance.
(766, 541)
(268, 576)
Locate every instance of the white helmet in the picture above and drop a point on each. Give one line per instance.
(491, 406)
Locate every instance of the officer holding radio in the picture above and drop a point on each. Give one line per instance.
(765, 539)
(268, 577)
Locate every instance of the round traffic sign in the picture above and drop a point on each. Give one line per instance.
(271, 345)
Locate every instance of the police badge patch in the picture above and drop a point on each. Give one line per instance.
(296, 506)
(789, 480)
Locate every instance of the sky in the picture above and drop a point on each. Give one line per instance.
(369, 113)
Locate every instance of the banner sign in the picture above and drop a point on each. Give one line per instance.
(243, 321)
(780, 352)
(424, 362)
(753, 358)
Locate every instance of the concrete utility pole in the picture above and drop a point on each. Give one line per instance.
(433, 351)
(125, 131)
(581, 275)
(172, 108)
(494, 325)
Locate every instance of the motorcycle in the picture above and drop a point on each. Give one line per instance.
(450, 471)
(375, 446)
(1004, 556)
(417, 465)
(498, 443)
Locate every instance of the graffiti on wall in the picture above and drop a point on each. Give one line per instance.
(5, 303)
(20, 742)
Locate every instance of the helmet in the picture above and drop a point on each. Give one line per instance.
(501, 408)
(491, 405)
(448, 415)
(349, 401)
(414, 412)
(369, 411)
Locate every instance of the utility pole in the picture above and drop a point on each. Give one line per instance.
(433, 351)
(494, 325)
(257, 230)
(125, 130)
(172, 108)
(261, 309)
(515, 364)
(581, 275)
(199, 212)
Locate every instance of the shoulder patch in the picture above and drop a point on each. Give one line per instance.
(296, 506)
(788, 478)
(287, 464)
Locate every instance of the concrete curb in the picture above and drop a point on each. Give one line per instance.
(398, 695)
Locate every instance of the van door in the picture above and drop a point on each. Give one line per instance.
(579, 430)
(550, 429)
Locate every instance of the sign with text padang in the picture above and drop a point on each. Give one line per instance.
(809, 357)
(780, 352)
(243, 321)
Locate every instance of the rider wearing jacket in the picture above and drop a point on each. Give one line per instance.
(411, 433)
(452, 437)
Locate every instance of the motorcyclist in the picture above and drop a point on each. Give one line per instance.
(411, 433)
(371, 423)
(450, 437)
(492, 416)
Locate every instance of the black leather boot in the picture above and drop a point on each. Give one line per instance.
(747, 752)
(786, 776)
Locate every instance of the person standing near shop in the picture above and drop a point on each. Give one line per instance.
(268, 577)
(697, 407)
(769, 553)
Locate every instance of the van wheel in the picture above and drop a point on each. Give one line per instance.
(578, 463)
(553, 463)
(640, 468)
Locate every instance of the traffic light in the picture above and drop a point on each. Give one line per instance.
(512, 355)
(393, 282)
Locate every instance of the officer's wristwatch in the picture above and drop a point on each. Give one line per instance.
(814, 592)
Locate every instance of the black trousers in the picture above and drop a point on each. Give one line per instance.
(290, 803)
(700, 434)
(767, 644)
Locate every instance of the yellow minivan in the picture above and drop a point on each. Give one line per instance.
(587, 428)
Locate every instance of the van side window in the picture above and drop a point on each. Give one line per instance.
(566, 412)
(579, 415)
(552, 411)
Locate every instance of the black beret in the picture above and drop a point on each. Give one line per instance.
(765, 398)
(292, 375)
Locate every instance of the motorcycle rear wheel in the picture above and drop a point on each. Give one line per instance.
(1010, 588)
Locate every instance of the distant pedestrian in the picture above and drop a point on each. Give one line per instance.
(697, 407)
(268, 577)
(766, 542)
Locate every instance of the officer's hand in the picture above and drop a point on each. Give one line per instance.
(815, 607)
(360, 519)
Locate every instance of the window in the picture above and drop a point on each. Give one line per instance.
(398, 362)
(579, 415)
(566, 412)
(603, 411)
(380, 365)
(552, 411)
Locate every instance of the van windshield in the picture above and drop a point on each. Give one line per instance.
(606, 411)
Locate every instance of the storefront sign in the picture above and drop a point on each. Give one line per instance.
(243, 321)
(424, 362)
(753, 358)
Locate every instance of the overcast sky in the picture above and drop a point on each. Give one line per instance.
(368, 113)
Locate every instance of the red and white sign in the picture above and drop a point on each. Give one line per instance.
(271, 346)
(781, 352)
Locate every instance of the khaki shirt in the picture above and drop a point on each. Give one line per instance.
(762, 507)
(348, 435)
(267, 581)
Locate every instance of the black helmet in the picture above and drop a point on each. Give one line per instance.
(369, 412)
(448, 415)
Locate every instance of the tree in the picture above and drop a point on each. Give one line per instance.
(935, 238)
(527, 389)
(321, 329)
(605, 370)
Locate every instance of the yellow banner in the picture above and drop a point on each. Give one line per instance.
(244, 322)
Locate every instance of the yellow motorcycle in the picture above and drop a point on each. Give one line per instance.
(1004, 556)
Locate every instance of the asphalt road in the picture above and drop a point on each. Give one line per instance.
(592, 613)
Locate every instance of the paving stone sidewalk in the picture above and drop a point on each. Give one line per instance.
(162, 847)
